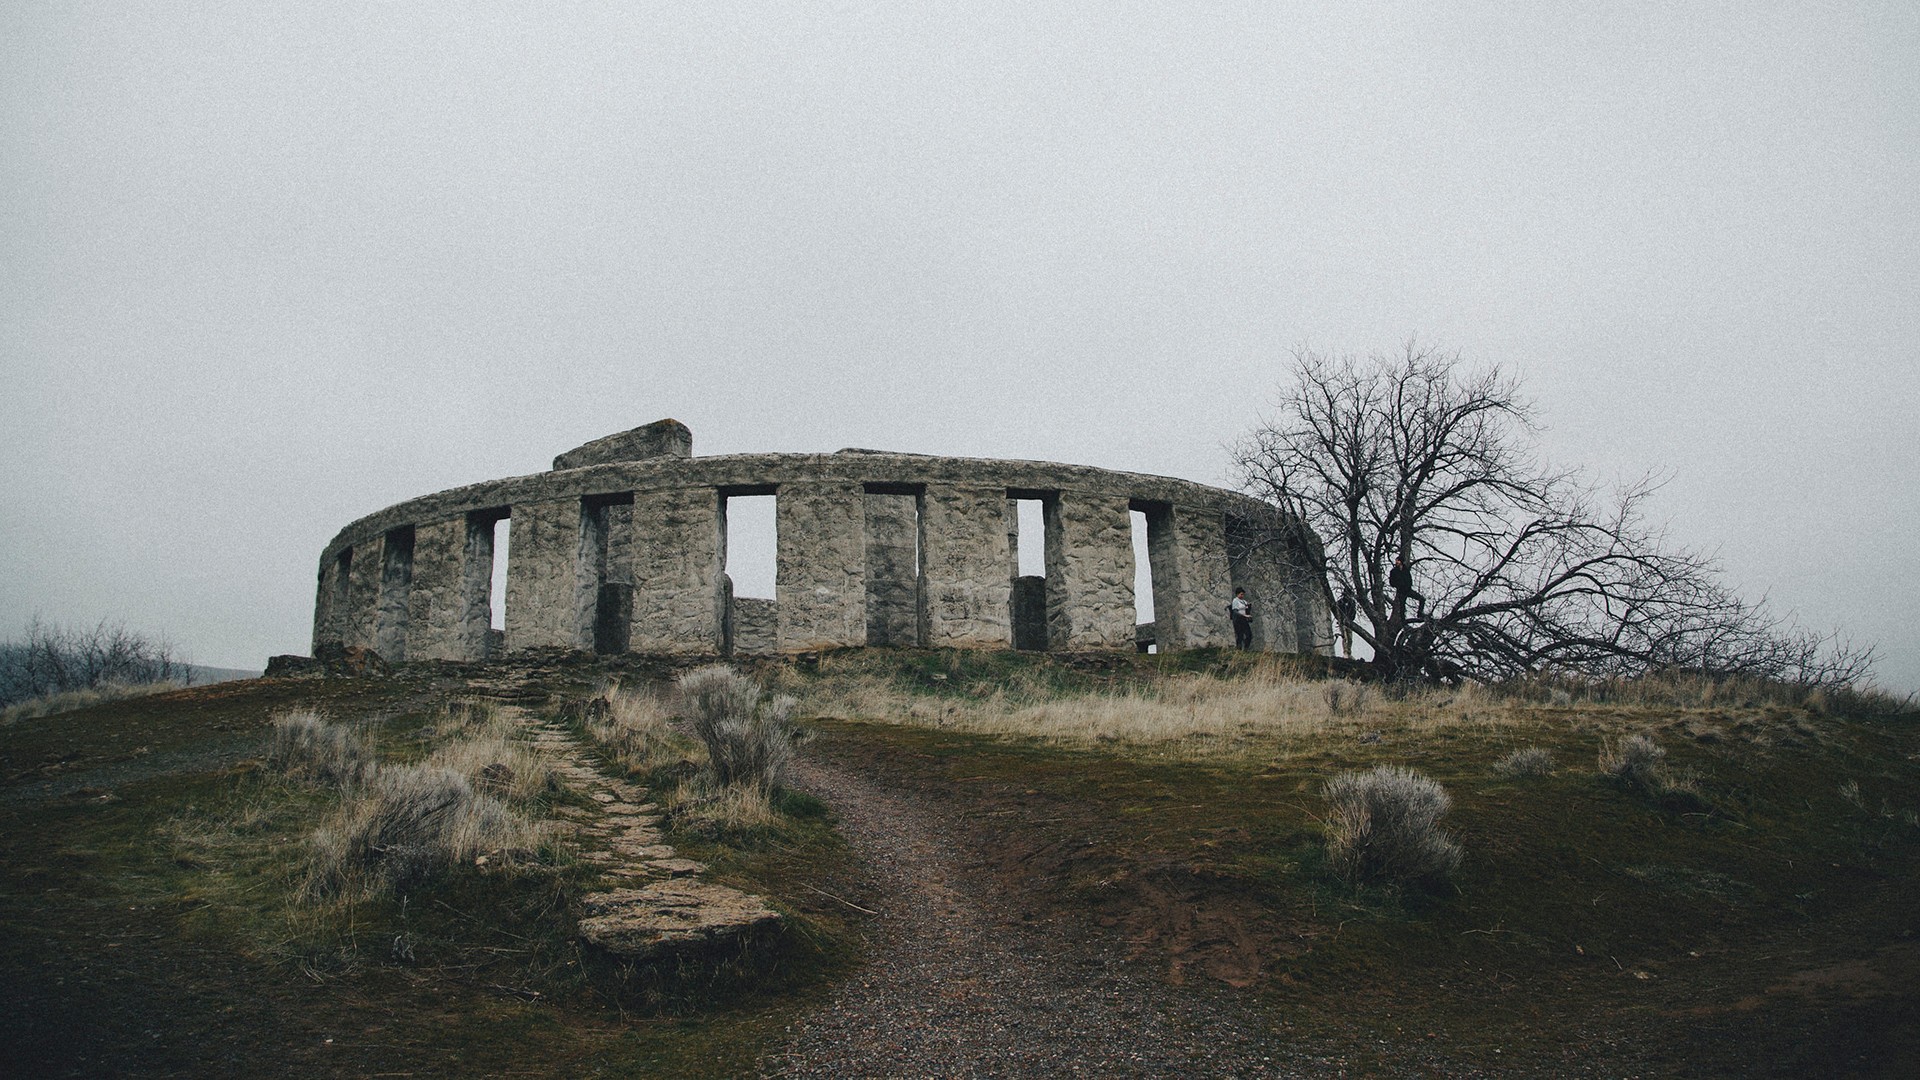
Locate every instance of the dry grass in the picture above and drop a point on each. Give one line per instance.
(305, 745)
(491, 751)
(411, 822)
(1188, 716)
(68, 701)
(635, 728)
(1527, 761)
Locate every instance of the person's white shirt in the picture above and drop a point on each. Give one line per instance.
(1241, 607)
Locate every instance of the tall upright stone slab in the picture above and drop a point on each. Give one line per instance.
(361, 620)
(1260, 563)
(966, 559)
(436, 606)
(820, 572)
(542, 567)
(1089, 572)
(330, 598)
(893, 570)
(676, 555)
(1206, 583)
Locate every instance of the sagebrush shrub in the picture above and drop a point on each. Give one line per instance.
(303, 744)
(1383, 826)
(1528, 761)
(1635, 761)
(749, 742)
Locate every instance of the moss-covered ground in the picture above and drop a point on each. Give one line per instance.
(148, 924)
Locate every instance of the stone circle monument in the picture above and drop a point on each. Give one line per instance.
(622, 548)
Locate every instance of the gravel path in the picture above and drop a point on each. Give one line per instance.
(954, 988)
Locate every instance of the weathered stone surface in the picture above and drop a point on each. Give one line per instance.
(396, 585)
(288, 665)
(965, 565)
(1089, 572)
(756, 626)
(893, 569)
(542, 568)
(436, 603)
(820, 579)
(676, 571)
(662, 438)
(667, 917)
(358, 623)
(637, 543)
(1206, 585)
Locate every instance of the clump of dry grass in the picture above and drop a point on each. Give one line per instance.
(1527, 761)
(635, 730)
(304, 744)
(1383, 826)
(489, 749)
(410, 822)
(66, 701)
(1640, 764)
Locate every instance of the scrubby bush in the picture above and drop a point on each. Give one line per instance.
(749, 742)
(1636, 762)
(1527, 761)
(1383, 826)
(1640, 764)
(304, 744)
(409, 823)
(52, 660)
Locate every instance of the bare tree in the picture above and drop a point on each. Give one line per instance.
(52, 659)
(1520, 567)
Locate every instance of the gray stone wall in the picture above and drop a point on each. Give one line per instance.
(756, 626)
(966, 561)
(676, 553)
(1206, 583)
(1089, 572)
(361, 619)
(542, 566)
(436, 606)
(614, 541)
(820, 577)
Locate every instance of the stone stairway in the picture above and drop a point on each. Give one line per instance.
(659, 906)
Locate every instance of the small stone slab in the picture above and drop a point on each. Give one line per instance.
(677, 866)
(671, 916)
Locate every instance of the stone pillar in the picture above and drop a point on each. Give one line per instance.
(819, 580)
(396, 586)
(330, 599)
(1089, 572)
(361, 619)
(1206, 584)
(1259, 563)
(543, 553)
(965, 558)
(436, 606)
(676, 551)
(820, 573)
(892, 570)
(475, 602)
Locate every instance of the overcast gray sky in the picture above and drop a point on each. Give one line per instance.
(265, 268)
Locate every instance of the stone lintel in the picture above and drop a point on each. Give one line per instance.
(662, 438)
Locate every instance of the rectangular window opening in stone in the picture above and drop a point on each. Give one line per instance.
(1144, 637)
(396, 581)
(497, 582)
(896, 597)
(479, 578)
(749, 562)
(1032, 542)
(605, 585)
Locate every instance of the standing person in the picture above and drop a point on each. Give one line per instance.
(1345, 609)
(1242, 613)
(1401, 579)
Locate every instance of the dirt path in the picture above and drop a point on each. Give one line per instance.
(954, 987)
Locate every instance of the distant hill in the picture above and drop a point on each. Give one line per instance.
(200, 674)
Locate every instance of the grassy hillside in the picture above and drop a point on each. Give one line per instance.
(1749, 914)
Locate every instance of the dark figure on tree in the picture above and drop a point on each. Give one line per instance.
(1401, 579)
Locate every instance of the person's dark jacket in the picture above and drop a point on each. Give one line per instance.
(1400, 577)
